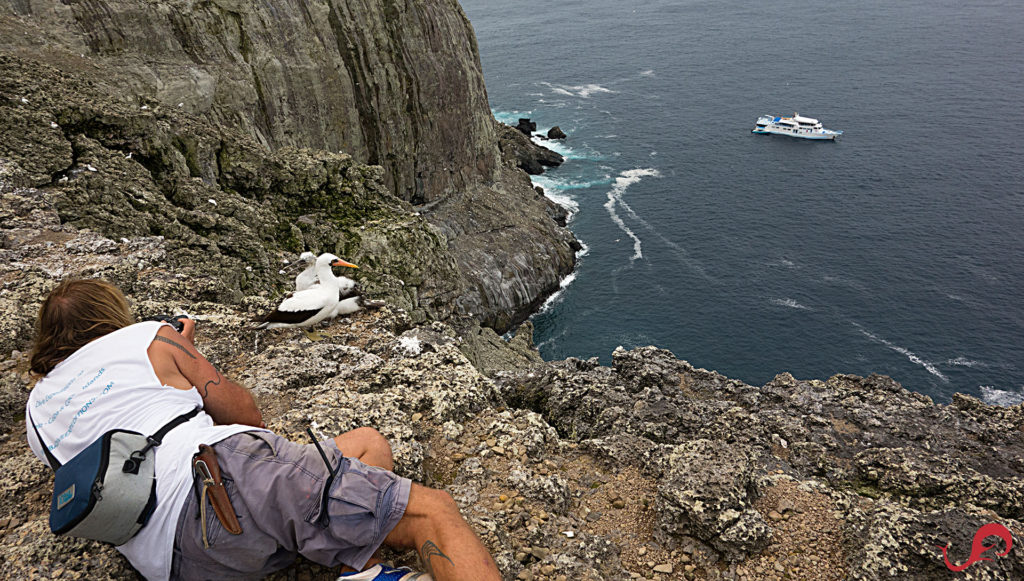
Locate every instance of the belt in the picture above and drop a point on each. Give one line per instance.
(206, 471)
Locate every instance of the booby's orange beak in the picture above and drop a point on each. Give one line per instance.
(341, 262)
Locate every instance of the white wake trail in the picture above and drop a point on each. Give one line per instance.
(910, 355)
(622, 183)
(681, 253)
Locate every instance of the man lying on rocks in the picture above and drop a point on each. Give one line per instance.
(100, 370)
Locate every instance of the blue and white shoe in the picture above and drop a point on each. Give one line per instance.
(382, 572)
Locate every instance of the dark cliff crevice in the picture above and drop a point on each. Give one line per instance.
(356, 67)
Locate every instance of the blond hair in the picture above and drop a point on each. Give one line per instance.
(75, 313)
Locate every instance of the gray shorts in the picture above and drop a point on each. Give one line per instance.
(276, 488)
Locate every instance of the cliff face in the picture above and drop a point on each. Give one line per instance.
(392, 83)
(389, 83)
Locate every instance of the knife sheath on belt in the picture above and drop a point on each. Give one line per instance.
(204, 465)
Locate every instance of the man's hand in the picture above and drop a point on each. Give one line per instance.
(189, 330)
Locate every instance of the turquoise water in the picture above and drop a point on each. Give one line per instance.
(897, 249)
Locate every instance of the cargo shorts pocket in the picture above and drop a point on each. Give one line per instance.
(268, 438)
(353, 507)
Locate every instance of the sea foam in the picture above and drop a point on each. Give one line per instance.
(556, 297)
(790, 303)
(1001, 397)
(622, 183)
(582, 91)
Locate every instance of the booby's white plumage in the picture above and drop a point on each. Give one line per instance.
(308, 307)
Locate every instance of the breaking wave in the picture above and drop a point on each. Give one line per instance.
(1001, 397)
(556, 297)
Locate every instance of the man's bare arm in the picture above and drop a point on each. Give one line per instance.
(225, 401)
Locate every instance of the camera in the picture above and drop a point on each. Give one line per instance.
(173, 320)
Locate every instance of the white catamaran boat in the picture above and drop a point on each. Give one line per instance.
(795, 126)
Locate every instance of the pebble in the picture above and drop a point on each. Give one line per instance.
(491, 442)
(780, 567)
(503, 497)
(666, 568)
(785, 505)
(547, 569)
(417, 417)
(525, 575)
(619, 504)
(499, 450)
(775, 516)
(540, 552)
(642, 551)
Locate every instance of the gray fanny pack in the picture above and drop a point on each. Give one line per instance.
(107, 492)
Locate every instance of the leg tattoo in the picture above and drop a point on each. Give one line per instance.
(431, 550)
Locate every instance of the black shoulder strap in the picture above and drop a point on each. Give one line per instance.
(158, 437)
(46, 450)
(137, 457)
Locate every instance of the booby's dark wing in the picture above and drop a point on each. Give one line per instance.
(290, 317)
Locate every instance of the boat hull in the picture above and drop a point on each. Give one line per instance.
(831, 136)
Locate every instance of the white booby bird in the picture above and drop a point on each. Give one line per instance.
(349, 299)
(308, 307)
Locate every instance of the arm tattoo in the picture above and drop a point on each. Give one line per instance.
(429, 550)
(166, 340)
(206, 388)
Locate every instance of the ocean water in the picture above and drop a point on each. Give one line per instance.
(897, 249)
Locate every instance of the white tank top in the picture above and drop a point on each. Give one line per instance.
(110, 384)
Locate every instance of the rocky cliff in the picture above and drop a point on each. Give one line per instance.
(392, 84)
(647, 469)
(650, 468)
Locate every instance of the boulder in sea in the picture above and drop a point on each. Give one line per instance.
(526, 126)
(523, 152)
(556, 133)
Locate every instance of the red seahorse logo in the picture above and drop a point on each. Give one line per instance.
(978, 547)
